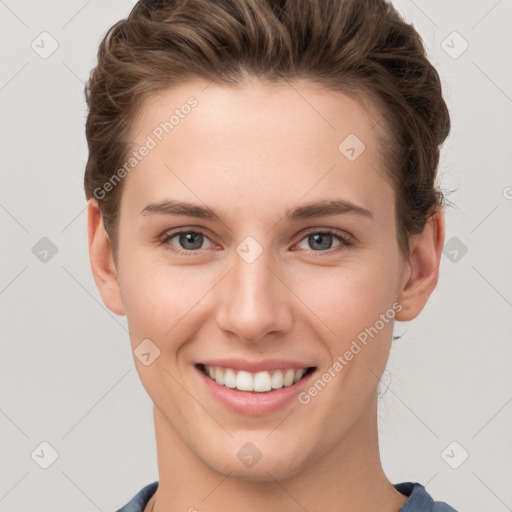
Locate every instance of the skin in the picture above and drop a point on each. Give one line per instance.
(250, 152)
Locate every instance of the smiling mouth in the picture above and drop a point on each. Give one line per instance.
(259, 382)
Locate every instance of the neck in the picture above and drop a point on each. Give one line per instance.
(349, 477)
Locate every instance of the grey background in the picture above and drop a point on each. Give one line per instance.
(67, 374)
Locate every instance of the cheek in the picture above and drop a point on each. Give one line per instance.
(351, 298)
(355, 306)
(163, 306)
(160, 299)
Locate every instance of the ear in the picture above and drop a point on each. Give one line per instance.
(421, 272)
(102, 261)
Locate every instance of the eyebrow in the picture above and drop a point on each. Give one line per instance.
(308, 211)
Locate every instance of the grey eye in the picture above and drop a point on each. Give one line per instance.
(320, 241)
(191, 240)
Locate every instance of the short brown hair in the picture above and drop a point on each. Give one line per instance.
(360, 47)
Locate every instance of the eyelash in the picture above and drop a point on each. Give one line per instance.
(345, 242)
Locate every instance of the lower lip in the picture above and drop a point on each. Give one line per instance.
(253, 403)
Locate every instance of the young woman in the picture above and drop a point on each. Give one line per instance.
(262, 207)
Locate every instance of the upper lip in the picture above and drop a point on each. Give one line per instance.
(255, 366)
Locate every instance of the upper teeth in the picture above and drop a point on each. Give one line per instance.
(260, 381)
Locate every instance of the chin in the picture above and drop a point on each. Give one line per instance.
(268, 468)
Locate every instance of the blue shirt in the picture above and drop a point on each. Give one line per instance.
(419, 499)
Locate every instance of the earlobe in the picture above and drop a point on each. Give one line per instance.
(422, 270)
(102, 261)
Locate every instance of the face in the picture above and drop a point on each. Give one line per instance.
(258, 246)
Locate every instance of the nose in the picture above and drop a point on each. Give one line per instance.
(255, 303)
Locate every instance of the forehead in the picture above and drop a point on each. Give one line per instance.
(285, 140)
(294, 108)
